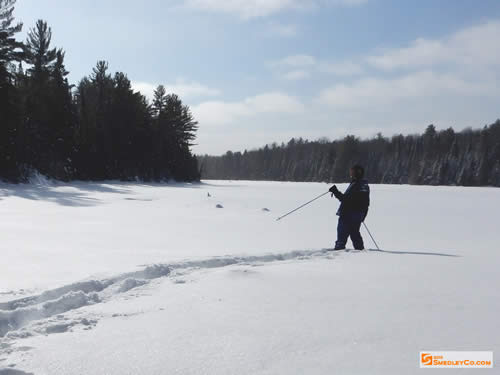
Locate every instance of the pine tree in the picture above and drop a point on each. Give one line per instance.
(62, 118)
(470, 157)
(38, 124)
(102, 129)
(10, 53)
(159, 100)
(10, 48)
(38, 51)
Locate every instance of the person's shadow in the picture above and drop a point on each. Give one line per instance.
(415, 253)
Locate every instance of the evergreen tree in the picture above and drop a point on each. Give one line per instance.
(10, 116)
(37, 141)
(470, 157)
(100, 130)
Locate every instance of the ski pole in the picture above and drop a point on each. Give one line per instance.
(298, 208)
(378, 248)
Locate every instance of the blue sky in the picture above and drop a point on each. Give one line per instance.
(258, 71)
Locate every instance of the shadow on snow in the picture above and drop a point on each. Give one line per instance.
(416, 253)
(77, 194)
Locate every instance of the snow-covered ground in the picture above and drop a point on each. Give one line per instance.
(122, 278)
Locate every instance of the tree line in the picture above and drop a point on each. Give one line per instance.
(446, 157)
(98, 129)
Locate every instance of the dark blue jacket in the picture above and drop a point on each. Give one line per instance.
(356, 198)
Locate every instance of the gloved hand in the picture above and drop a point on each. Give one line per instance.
(333, 189)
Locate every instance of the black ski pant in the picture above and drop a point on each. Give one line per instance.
(348, 226)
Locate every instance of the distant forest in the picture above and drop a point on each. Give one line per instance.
(468, 158)
(98, 129)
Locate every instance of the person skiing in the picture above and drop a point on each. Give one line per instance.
(353, 209)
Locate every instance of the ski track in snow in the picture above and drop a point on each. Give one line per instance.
(44, 313)
(9, 371)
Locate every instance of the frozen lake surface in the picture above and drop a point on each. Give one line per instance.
(130, 278)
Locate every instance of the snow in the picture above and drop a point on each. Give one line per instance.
(121, 278)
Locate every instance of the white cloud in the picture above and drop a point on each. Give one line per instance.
(301, 66)
(223, 113)
(191, 89)
(448, 81)
(465, 55)
(295, 61)
(244, 8)
(282, 30)
(351, 2)
(474, 46)
(262, 8)
(185, 89)
(343, 68)
(144, 88)
(387, 93)
(274, 102)
(296, 75)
